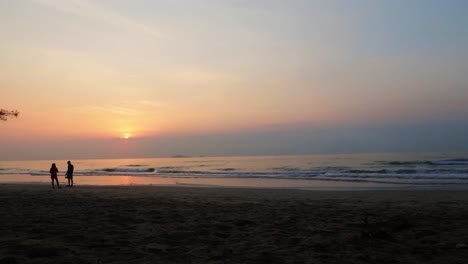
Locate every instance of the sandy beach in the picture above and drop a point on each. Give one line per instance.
(91, 224)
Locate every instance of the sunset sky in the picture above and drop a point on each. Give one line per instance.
(232, 77)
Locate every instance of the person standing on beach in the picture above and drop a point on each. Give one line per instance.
(69, 174)
(53, 175)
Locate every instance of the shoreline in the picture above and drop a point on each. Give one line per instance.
(47, 185)
(241, 183)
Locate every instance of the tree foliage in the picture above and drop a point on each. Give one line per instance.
(5, 114)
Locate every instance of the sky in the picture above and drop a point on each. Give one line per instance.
(155, 78)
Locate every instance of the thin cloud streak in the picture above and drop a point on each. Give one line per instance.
(122, 109)
(112, 109)
(91, 10)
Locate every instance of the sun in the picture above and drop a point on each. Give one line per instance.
(126, 136)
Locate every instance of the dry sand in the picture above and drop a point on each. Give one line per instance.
(88, 224)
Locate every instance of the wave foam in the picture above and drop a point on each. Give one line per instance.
(425, 162)
(127, 170)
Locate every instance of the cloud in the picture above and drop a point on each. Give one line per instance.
(127, 109)
(198, 76)
(152, 104)
(113, 109)
(91, 10)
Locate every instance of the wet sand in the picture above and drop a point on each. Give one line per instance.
(97, 224)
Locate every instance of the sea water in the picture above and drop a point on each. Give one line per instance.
(346, 171)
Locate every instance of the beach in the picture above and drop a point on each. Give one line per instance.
(151, 224)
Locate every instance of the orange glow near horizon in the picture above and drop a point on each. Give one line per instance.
(126, 136)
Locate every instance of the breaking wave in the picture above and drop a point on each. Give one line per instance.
(426, 162)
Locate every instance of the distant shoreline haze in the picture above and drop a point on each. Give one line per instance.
(448, 137)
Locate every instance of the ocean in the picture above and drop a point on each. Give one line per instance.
(322, 172)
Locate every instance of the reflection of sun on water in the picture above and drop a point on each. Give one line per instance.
(125, 180)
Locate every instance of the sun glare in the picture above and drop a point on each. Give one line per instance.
(126, 136)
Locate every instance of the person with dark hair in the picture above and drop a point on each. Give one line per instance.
(69, 174)
(53, 175)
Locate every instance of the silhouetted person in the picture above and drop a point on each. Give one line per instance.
(53, 175)
(69, 174)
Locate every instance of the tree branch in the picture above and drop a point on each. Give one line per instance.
(4, 114)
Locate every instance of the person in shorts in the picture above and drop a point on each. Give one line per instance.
(69, 174)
